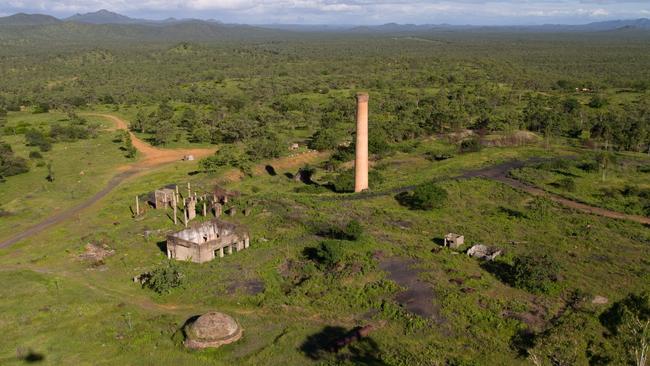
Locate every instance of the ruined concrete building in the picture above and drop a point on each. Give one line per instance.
(163, 198)
(361, 159)
(207, 241)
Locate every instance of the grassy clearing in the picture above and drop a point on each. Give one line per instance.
(623, 186)
(81, 168)
(284, 300)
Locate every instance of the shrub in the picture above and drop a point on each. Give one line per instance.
(37, 138)
(424, 197)
(353, 230)
(471, 145)
(537, 274)
(567, 184)
(344, 182)
(164, 278)
(330, 253)
(9, 163)
(35, 155)
(323, 139)
(41, 107)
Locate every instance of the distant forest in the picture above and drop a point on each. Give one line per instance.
(226, 84)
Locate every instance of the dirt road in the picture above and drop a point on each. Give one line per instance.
(500, 174)
(150, 157)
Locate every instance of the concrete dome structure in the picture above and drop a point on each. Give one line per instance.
(212, 330)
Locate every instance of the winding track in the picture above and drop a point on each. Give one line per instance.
(499, 173)
(150, 157)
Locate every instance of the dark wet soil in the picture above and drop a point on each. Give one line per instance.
(419, 297)
(249, 287)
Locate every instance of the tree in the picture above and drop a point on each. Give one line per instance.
(268, 146)
(323, 139)
(9, 163)
(131, 151)
(566, 341)
(165, 131)
(628, 322)
(50, 173)
(228, 155)
(164, 278)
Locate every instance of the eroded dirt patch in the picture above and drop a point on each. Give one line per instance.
(419, 297)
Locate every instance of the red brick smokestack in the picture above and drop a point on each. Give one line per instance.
(361, 161)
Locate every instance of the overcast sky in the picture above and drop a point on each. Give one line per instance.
(478, 12)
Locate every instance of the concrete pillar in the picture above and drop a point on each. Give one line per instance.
(247, 242)
(175, 210)
(189, 190)
(229, 249)
(205, 210)
(221, 252)
(185, 212)
(137, 206)
(218, 210)
(361, 160)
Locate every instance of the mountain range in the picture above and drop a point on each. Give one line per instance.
(105, 17)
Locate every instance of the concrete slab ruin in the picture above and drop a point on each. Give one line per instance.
(207, 241)
(484, 252)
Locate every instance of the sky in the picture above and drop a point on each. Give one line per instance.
(356, 12)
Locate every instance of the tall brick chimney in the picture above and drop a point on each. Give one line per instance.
(361, 161)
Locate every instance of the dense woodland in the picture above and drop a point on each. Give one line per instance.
(587, 86)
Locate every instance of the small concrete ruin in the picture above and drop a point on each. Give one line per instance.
(188, 157)
(454, 241)
(484, 252)
(164, 198)
(207, 241)
(222, 195)
(212, 330)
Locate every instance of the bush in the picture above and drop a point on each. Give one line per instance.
(353, 230)
(424, 197)
(35, 155)
(265, 147)
(9, 163)
(323, 139)
(330, 253)
(471, 145)
(567, 184)
(164, 278)
(344, 182)
(37, 138)
(537, 274)
(41, 108)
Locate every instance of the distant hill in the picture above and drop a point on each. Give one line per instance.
(28, 19)
(641, 24)
(103, 17)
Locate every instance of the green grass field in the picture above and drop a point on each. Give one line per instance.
(69, 311)
(81, 169)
